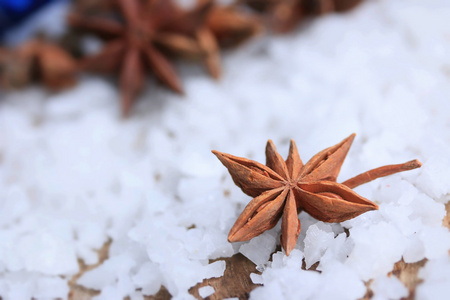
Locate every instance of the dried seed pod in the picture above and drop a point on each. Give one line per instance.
(37, 60)
(282, 188)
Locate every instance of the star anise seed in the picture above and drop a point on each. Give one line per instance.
(281, 189)
(211, 26)
(37, 60)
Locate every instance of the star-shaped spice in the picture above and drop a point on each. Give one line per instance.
(133, 45)
(211, 26)
(283, 188)
(222, 26)
(37, 60)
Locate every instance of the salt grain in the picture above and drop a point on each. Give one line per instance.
(258, 249)
(436, 279)
(206, 291)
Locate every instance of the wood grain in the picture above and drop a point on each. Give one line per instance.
(235, 282)
(78, 292)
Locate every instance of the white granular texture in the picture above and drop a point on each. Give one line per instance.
(74, 175)
(206, 291)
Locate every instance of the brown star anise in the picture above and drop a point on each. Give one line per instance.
(283, 188)
(223, 26)
(37, 60)
(210, 25)
(133, 45)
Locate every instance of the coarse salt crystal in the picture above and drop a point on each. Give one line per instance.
(206, 291)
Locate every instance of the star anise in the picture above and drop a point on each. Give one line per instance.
(186, 34)
(231, 26)
(133, 45)
(224, 26)
(283, 188)
(210, 25)
(284, 15)
(37, 60)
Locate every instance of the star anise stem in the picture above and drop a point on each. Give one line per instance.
(381, 172)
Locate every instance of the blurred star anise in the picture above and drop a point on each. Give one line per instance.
(283, 188)
(211, 26)
(221, 26)
(134, 45)
(154, 28)
(37, 60)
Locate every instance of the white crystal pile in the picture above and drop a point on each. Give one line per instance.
(74, 175)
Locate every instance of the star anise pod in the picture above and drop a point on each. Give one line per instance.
(231, 26)
(186, 34)
(14, 70)
(214, 27)
(222, 26)
(211, 26)
(133, 46)
(283, 188)
(37, 60)
(284, 15)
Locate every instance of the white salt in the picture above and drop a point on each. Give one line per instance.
(433, 176)
(436, 279)
(107, 273)
(14, 205)
(376, 249)
(436, 241)
(256, 278)
(284, 279)
(388, 287)
(50, 254)
(258, 249)
(47, 288)
(427, 210)
(206, 291)
(215, 269)
(316, 243)
(339, 281)
(148, 278)
(415, 250)
(338, 250)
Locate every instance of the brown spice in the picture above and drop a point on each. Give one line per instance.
(133, 46)
(283, 188)
(158, 28)
(218, 26)
(37, 60)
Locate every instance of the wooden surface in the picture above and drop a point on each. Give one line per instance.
(236, 281)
